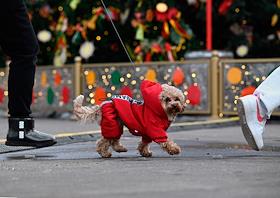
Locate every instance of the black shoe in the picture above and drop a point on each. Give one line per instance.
(21, 133)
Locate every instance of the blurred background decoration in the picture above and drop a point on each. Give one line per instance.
(154, 30)
(167, 39)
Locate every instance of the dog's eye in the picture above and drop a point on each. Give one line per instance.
(167, 99)
(177, 99)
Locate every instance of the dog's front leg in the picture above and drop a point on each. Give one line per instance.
(144, 149)
(170, 147)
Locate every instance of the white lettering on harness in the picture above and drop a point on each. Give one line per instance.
(127, 98)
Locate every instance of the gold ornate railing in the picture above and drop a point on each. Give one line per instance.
(241, 77)
(211, 86)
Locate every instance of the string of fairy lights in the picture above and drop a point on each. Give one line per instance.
(54, 86)
(100, 83)
(242, 79)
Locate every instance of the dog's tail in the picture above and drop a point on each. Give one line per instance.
(85, 113)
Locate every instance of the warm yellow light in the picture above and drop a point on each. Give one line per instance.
(98, 38)
(161, 7)
(128, 75)
(60, 8)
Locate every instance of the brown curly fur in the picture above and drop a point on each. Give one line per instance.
(103, 146)
(117, 146)
(144, 149)
(170, 147)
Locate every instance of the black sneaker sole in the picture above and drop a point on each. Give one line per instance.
(245, 128)
(31, 144)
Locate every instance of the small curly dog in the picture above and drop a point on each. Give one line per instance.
(149, 118)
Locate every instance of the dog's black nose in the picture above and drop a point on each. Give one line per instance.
(174, 105)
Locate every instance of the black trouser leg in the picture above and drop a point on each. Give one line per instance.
(18, 40)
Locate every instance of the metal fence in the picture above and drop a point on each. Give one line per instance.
(241, 77)
(211, 86)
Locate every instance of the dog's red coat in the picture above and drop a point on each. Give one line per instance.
(148, 120)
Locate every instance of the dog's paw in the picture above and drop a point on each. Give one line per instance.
(146, 153)
(117, 146)
(170, 147)
(144, 150)
(102, 148)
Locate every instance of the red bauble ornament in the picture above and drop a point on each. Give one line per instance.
(248, 90)
(178, 76)
(65, 92)
(57, 79)
(194, 94)
(126, 91)
(100, 95)
(1, 95)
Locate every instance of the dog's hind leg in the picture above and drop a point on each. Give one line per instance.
(144, 149)
(117, 146)
(103, 146)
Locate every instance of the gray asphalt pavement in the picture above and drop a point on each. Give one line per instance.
(214, 163)
(52, 126)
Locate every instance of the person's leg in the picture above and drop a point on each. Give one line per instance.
(18, 41)
(268, 92)
(255, 109)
